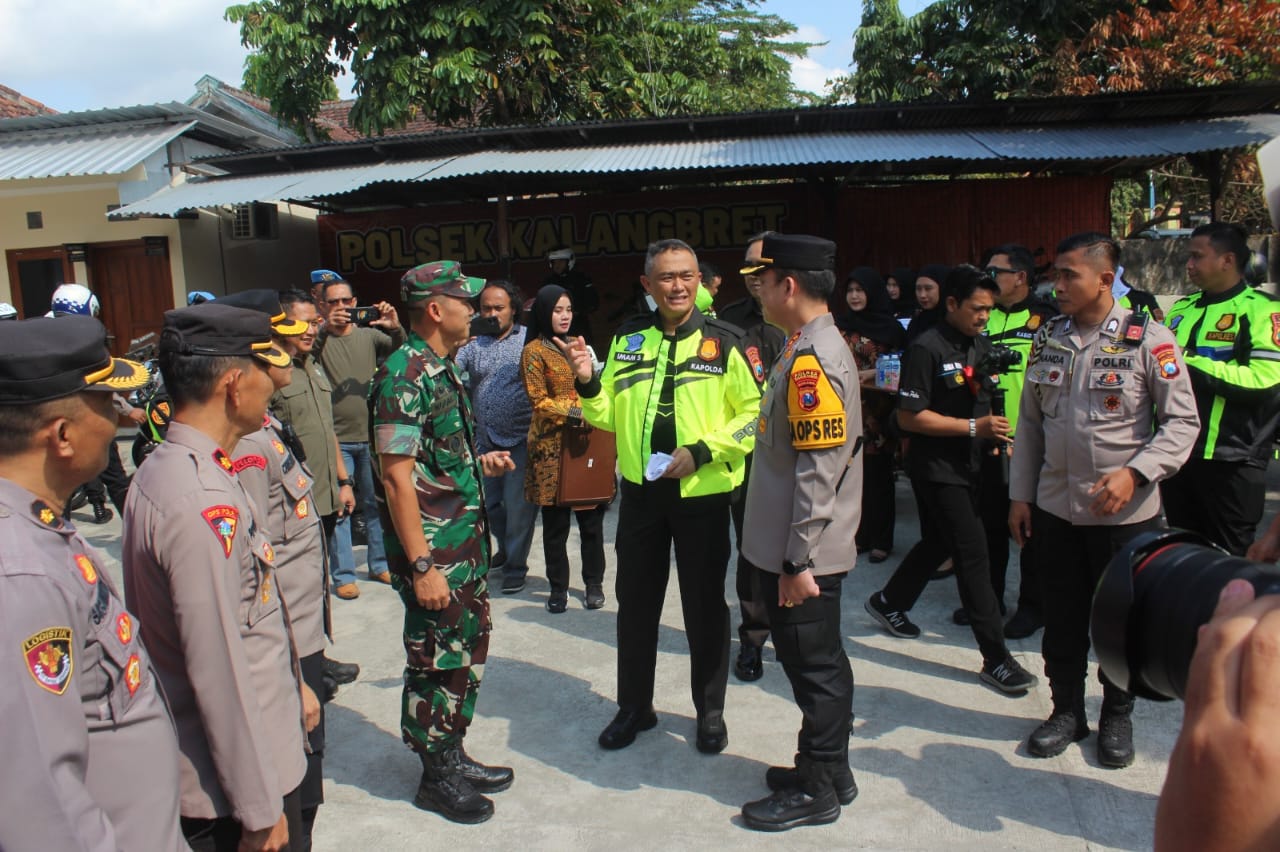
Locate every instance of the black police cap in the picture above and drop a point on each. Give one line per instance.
(217, 329)
(44, 358)
(267, 302)
(794, 251)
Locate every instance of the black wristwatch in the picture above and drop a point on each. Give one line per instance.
(793, 568)
(349, 482)
(422, 565)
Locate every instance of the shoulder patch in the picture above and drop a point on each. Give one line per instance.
(814, 410)
(709, 348)
(1275, 329)
(48, 657)
(223, 520)
(251, 460)
(1167, 358)
(756, 362)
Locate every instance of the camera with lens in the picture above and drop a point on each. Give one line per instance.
(1151, 601)
(999, 359)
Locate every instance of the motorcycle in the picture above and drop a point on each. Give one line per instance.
(151, 398)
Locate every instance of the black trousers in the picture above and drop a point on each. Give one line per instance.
(311, 790)
(112, 482)
(753, 628)
(993, 502)
(1072, 558)
(952, 528)
(810, 647)
(555, 537)
(223, 833)
(1223, 501)
(879, 513)
(651, 518)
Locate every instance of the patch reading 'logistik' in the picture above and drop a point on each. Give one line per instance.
(48, 658)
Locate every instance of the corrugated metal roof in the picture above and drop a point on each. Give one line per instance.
(97, 151)
(993, 148)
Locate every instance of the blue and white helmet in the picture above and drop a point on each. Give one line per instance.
(74, 299)
(199, 297)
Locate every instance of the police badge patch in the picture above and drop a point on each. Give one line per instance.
(757, 365)
(48, 657)
(1225, 322)
(709, 349)
(223, 520)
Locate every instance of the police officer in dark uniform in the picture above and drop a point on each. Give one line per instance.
(761, 343)
(91, 754)
(944, 401)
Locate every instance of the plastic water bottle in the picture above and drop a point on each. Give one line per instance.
(888, 369)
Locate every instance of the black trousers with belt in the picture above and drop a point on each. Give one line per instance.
(651, 518)
(810, 646)
(1072, 558)
(1223, 501)
(753, 629)
(952, 528)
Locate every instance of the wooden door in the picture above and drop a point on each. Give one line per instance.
(135, 290)
(33, 276)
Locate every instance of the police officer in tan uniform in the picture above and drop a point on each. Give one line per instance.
(91, 760)
(802, 510)
(281, 489)
(199, 571)
(1107, 411)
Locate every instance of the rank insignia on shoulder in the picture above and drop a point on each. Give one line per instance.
(709, 349)
(224, 461)
(85, 564)
(302, 481)
(223, 520)
(1112, 326)
(133, 674)
(44, 514)
(48, 658)
(278, 447)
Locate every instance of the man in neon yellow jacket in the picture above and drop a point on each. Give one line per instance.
(680, 396)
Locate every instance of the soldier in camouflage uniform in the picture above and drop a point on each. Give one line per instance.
(436, 533)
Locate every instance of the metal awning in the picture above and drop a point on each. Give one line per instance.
(989, 149)
(98, 150)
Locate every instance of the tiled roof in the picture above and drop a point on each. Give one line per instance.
(17, 105)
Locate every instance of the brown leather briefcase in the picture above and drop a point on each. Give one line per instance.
(588, 458)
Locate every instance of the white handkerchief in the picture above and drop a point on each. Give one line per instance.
(658, 464)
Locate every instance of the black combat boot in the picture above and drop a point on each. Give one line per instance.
(445, 790)
(488, 779)
(782, 777)
(1066, 725)
(1115, 728)
(812, 802)
(101, 514)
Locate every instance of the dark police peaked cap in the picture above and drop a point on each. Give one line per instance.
(45, 358)
(267, 302)
(800, 252)
(220, 330)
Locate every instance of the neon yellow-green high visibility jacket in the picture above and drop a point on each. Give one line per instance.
(716, 399)
(1231, 342)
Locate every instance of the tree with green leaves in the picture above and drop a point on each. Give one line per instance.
(502, 62)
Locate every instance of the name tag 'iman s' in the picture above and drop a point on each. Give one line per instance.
(814, 410)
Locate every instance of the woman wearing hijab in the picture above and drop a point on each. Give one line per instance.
(929, 298)
(871, 330)
(549, 381)
(901, 283)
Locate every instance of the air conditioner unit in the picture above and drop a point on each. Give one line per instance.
(255, 221)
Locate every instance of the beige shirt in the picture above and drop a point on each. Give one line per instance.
(91, 758)
(197, 570)
(281, 487)
(804, 498)
(1095, 402)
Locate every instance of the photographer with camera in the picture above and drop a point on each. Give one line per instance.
(944, 403)
(1106, 412)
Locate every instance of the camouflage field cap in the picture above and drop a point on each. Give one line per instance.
(440, 278)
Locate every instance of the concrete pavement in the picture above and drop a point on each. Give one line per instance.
(940, 759)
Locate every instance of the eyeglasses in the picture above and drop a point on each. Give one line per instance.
(993, 271)
(349, 300)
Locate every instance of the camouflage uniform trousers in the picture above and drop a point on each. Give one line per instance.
(445, 652)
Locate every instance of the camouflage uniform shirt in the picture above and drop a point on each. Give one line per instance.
(419, 407)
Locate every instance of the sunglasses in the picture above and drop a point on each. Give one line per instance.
(993, 271)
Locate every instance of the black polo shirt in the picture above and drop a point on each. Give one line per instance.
(939, 374)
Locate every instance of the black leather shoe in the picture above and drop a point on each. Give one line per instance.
(713, 736)
(101, 514)
(341, 672)
(788, 777)
(621, 732)
(961, 617)
(594, 598)
(328, 689)
(1056, 733)
(486, 779)
(445, 790)
(557, 603)
(1024, 623)
(749, 665)
(1115, 740)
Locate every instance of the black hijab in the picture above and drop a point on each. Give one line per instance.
(876, 321)
(905, 304)
(540, 317)
(927, 319)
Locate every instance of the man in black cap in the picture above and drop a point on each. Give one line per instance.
(803, 507)
(199, 570)
(93, 756)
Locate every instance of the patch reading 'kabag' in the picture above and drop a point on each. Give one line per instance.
(48, 657)
(814, 409)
